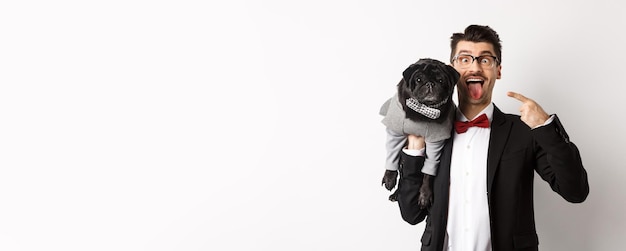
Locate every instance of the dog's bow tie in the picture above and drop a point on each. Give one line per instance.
(462, 126)
(429, 112)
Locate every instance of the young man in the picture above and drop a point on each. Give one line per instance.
(483, 192)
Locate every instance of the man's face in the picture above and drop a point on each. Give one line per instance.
(477, 79)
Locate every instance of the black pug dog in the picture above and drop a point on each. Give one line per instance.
(423, 106)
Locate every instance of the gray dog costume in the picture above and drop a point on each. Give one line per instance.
(412, 111)
(398, 127)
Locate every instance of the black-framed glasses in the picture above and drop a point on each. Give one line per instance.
(466, 60)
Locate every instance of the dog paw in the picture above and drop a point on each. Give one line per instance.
(425, 199)
(394, 196)
(389, 179)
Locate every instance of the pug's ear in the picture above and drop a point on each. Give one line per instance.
(411, 69)
(453, 73)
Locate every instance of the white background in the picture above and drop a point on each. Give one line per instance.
(253, 125)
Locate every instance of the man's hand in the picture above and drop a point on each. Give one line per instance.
(531, 113)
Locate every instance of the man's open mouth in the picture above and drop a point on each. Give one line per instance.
(475, 87)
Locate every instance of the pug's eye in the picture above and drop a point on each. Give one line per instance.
(440, 80)
(418, 79)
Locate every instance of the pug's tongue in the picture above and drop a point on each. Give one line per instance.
(475, 90)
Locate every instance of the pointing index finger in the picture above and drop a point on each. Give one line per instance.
(517, 96)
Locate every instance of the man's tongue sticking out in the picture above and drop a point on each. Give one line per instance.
(475, 89)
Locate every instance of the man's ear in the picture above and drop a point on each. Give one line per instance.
(499, 68)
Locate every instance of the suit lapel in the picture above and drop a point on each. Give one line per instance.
(500, 128)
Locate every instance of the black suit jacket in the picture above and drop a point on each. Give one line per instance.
(515, 154)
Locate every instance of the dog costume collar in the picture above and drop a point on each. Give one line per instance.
(430, 112)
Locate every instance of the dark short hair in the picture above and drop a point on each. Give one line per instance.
(477, 33)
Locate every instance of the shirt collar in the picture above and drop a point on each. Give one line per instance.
(487, 111)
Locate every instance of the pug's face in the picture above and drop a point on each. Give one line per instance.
(430, 82)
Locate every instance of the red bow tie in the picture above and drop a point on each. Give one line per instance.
(462, 126)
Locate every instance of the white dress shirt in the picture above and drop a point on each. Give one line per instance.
(468, 212)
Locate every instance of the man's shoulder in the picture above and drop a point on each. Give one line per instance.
(502, 117)
(498, 112)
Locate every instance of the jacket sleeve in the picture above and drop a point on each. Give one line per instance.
(394, 144)
(559, 162)
(408, 188)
